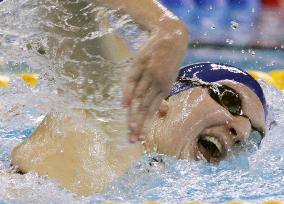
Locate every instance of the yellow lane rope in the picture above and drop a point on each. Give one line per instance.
(28, 78)
(4, 81)
(274, 77)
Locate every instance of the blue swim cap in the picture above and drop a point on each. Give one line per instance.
(211, 72)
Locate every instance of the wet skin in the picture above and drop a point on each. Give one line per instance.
(192, 125)
(68, 151)
(156, 65)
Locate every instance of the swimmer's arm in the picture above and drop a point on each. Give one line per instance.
(157, 62)
(148, 13)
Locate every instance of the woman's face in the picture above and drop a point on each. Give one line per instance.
(193, 125)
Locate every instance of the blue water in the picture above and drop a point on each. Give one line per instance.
(250, 59)
(238, 22)
(254, 175)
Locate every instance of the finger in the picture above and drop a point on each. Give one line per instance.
(132, 125)
(143, 86)
(127, 93)
(133, 78)
(138, 98)
(146, 108)
(145, 118)
(138, 107)
(133, 118)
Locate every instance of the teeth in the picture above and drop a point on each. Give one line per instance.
(214, 141)
(201, 156)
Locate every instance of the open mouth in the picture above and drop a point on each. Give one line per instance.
(210, 149)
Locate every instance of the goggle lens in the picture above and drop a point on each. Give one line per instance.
(227, 98)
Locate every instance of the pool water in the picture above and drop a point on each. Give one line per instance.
(62, 42)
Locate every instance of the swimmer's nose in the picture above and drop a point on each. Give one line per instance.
(239, 129)
(215, 142)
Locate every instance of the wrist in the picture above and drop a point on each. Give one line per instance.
(172, 30)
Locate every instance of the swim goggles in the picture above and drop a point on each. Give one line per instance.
(222, 94)
(227, 98)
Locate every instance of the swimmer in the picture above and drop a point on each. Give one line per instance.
(210, 109)
(73, 154)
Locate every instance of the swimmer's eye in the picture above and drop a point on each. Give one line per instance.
(224, 95)
(227, 98)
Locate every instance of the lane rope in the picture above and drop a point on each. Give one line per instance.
(274, 77)
(29, 78)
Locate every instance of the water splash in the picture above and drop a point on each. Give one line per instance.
(252, 175)
(46, 37)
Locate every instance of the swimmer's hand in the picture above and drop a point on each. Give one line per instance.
(157, 63)
(151, 76)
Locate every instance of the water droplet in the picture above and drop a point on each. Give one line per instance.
(205, 33)
(253, 10)
(272, 63)
(211, 7)
(213, 27)
(243, 51)
(282, 46)
(229, 41)
(251, 51)
(178, 32)
(234, 25)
